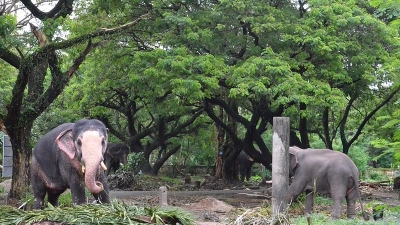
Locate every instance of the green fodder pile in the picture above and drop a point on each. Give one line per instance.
(114, 213)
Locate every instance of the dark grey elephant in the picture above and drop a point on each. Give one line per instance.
(70, 156)
(326, 172)
(116, 155)
(245, 164)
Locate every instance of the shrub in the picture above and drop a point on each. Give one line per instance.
(360, 158)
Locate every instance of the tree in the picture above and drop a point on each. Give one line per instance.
(40, 78)
(292, 60)
(326, 65)
(388, 136)
(150, 109)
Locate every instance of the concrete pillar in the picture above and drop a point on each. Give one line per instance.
(280, 165)
(163, 196)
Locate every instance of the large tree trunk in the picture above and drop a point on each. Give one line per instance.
(160, 161)
(22, 152)
(231, 168)
(325, 125)
(146, 166)
(219, 163)
(303, 127)
(230, 165)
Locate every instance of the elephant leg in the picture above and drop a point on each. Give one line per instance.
(296, 188)
(39, 191)
(309, 201)
(242, 174)
(38, 202)
(78, 193)
(337, 208)
(338, 194)
(104, 196)
(52, 197)
(248, 174)
(351, 204)
(338, 199)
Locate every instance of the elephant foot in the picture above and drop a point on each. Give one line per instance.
(335, 216)
(351, 216)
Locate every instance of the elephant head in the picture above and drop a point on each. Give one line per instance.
(293, 160)
(87, 141)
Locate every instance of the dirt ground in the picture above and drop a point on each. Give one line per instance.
(216, 207)
(220, 206)
(207, 206)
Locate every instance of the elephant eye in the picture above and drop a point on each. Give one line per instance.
(79, 142)
(103, 142)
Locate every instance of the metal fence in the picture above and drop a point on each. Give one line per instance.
(7, 157)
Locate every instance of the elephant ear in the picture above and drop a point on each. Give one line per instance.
(65, 142)
(117, 151)
(293, 161)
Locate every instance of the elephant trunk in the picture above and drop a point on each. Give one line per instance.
(91, 170)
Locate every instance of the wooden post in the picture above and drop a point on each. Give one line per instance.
(280, 167)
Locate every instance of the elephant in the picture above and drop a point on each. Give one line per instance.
(326, 172)
(70, 156)
(245, 164)
(116, 155)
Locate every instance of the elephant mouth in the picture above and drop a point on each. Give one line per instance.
(102, 165)
(99, 184)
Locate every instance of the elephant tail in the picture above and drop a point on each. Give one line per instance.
(364, 213)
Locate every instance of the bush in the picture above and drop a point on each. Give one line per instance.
(360, 158)
(375, 175)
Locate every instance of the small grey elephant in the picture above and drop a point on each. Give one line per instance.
(70, 156)
(116, 155)
(326, 172)
(245, 164)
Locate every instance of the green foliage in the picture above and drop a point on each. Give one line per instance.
(7, 80)
(197, 149)
(240, 52)
(169, 180)
(391, 140)
(257, 178)
(389, 10)
(7, 26)
(375, 175)
(135, 160)
(115, 213)
(65, 199)
(360, 157)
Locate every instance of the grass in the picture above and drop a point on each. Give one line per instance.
(323, 219)
(263, 216)
(171, 181)
(65, 199)
(374, 175)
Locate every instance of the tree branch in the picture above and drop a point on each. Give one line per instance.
(85, 37)
(369, 116)
(62, 8)
(10, 57)
(78, 61)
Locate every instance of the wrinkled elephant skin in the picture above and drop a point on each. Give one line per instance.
(70, 156)
(116, 155)
(326, 172)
